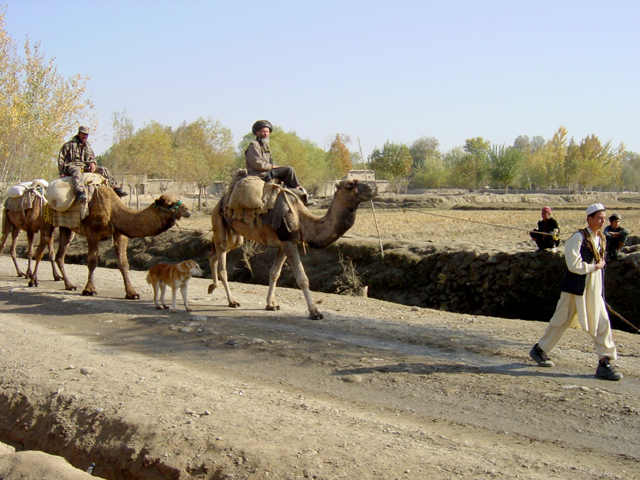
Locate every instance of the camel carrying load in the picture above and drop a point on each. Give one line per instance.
(106, 215)
(284, 226)
(25, 209)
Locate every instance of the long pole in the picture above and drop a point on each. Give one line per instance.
(375, 218)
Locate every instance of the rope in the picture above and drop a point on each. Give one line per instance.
(47, 213)
(490, 224)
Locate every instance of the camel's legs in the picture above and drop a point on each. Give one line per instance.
(14, 243)
(222, 272)
(213, 263)
(7, 228)
(66, 235)
(46, 240)
(52, 258)
(295, 263)
(33, 278)
(92, 264)
(120, 243)
(30, 238)
(274, 274)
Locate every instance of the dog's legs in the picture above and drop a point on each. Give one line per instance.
(163, 288)
(174, 293)
(183, 290)
(156, 293)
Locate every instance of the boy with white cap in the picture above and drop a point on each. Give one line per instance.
(581, 302)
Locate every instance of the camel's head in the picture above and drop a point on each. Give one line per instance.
(355, 192)
(172, 205)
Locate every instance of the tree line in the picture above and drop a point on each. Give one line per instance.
(38, 107)
(40, 110)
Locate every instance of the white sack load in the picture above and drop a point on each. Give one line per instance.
(18, 190)
(60, 194)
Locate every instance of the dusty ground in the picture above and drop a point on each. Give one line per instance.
(373, 391)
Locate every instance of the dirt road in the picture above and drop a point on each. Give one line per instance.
(373, 391)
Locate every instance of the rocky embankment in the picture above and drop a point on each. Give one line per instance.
(455, 276)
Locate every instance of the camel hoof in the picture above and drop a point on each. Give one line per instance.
(88, 293)
(57, 279)
(234, 304)
(70, 287)
(158, 307)
(316, 316)
(132, 296)
(33, 284)
(272, 308)
(166, 307)
(211, 288)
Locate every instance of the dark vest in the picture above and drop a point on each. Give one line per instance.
(574, 283)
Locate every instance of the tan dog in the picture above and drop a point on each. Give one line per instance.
(176, 276)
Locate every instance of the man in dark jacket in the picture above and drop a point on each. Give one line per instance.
(548, 238)
(76, 157)
(260, 163)
(616, 236)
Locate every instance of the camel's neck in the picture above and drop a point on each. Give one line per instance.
(319, 232)
(141, 223)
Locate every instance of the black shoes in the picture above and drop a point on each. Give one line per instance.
(121, 193)
(81, 197)
(540, 357)
(605, 370)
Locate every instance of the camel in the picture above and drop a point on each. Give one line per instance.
(109, 216)
(317, 232)
(31, 221)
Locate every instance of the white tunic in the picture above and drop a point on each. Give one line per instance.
(588, 310)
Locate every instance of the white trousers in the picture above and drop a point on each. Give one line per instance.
(565, 316)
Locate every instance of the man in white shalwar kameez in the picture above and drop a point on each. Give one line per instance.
(581, 299)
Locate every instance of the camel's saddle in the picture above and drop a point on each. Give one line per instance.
(249, 198)
(22, 196)
(67, 211)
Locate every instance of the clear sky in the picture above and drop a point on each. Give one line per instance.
(388, 70)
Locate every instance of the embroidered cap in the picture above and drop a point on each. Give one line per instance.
(546, 209)
(596, 207)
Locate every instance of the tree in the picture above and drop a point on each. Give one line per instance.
(505, 163)
(203, 153)
(631, 171)
(38, 109)
(339, 157)
(424, 149)
(555, 153)
(470, 167)
(392, 163)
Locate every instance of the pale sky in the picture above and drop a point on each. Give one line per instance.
(380, 71)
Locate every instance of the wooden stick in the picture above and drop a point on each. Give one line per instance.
(375, 218)
(622, 318)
